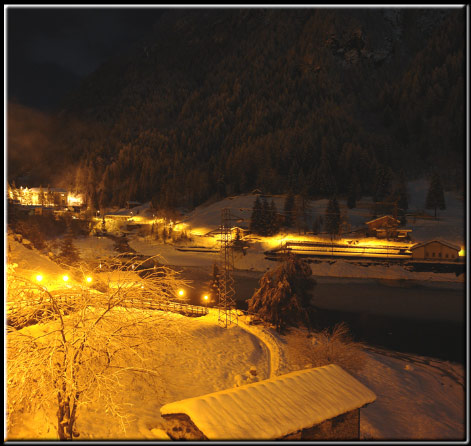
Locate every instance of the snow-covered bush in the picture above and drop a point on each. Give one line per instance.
(283, 298)
(336, 346)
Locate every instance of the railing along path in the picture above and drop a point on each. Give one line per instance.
(67, 300)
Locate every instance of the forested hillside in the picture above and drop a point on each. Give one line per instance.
(217, 102)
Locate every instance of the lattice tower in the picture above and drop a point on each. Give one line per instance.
(227, 313)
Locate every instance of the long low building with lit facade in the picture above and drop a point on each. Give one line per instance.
(44, 196)
(435, 250)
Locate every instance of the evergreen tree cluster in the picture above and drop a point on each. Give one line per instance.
(69, 254)
(435, 196)
(264, 219)
(332, 217)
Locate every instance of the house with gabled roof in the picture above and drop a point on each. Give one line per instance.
(387, 226)
(321, 403)
(435, 250)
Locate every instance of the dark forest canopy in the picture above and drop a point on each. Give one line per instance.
(217, 102)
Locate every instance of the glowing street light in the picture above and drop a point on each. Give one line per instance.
(65, 278)
(39, 277)
(89, 279)
(181, 293)
(206, 299)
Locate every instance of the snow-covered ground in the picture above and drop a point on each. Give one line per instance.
(417, 398)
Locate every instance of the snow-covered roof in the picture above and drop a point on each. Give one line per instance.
(275, 407)
(383, 217)
(449, 245)
(46, 189)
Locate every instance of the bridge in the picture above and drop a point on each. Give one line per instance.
(29, 311)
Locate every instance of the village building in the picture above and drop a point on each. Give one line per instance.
(239, 232)
(387, 227)
(435, 250)
(321, 403)
(131, 204)
(45, 197)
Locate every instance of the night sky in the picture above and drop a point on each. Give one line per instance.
(51, 49)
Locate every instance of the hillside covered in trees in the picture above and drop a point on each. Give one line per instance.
(312, 101)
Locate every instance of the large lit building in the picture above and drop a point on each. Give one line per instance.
(49, 197)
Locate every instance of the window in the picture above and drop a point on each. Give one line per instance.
(446, 255)
(439, 254)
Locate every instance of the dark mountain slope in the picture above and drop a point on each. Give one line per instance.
(222, 101)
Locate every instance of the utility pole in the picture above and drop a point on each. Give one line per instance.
(227, 313)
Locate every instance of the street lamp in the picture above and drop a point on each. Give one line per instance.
(39, 277)
(181, 293)
(206, 299)
(89, 279)
(65, 278)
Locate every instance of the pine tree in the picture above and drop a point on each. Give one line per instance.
(325, 184)
(256, 217)
(164, 234)
(317, 225)
(288, 210)
(332, 217)
(41, 197)
(353, 190)
(301, 213)
(382, 187)
(401, 193)
(69, 253)
(435, 196)
(274, 221)
(265, 220)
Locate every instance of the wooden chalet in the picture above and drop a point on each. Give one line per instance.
(386, 226)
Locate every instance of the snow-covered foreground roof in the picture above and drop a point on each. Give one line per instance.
(275, 407)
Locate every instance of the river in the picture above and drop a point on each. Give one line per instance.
(404, 316)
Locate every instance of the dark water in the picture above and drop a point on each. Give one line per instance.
(434, 338)
(405, 318)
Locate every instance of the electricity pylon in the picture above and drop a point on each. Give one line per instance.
(227, 313)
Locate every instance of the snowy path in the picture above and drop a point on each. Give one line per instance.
(276, 362)
(276, 357)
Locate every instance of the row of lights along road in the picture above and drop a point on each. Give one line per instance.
(65, 278)
(181, 293)
(89, 279)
